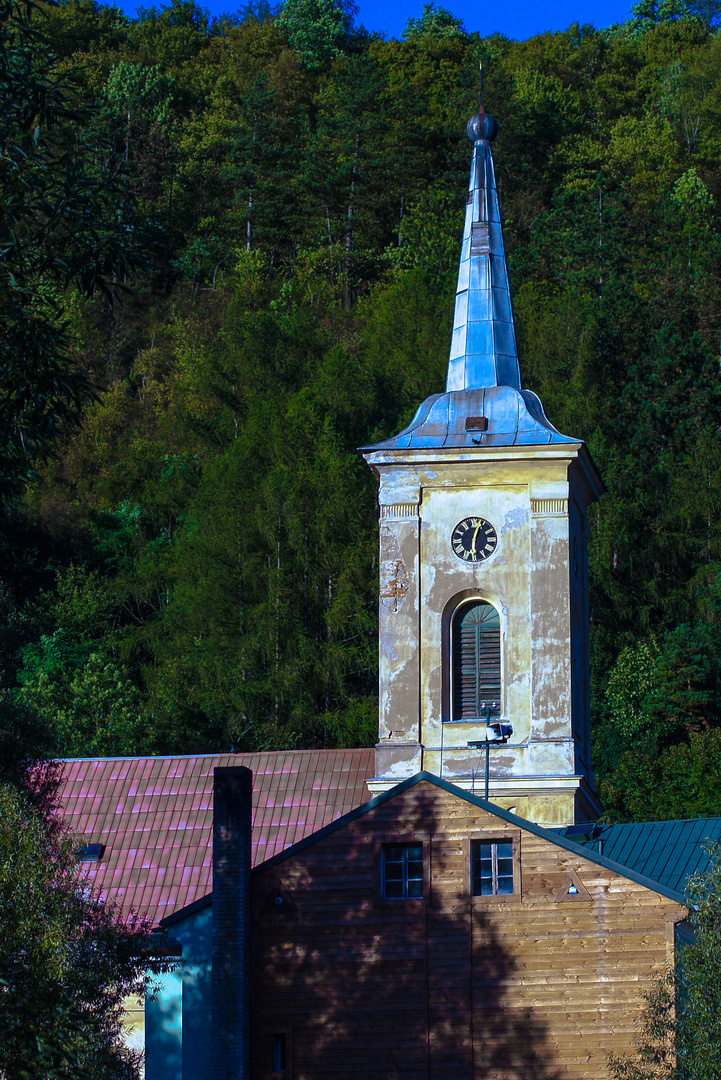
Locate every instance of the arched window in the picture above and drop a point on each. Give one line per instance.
(476, 658)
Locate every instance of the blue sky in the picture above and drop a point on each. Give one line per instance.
(517, 19)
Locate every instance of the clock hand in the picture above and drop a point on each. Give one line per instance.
(475, 537)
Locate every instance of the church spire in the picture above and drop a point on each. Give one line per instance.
(484, 404)
(483, 346)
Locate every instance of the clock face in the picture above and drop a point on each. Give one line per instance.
(474, 539)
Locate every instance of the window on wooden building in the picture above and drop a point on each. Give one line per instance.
(476, 660)
(280, 1054)
(403, 871)
(492, 868)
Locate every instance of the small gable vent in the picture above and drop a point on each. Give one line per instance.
(573, 889)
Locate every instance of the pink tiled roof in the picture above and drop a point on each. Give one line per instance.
(155, 815)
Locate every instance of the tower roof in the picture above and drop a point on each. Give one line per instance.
(483, 346)
(484, 403)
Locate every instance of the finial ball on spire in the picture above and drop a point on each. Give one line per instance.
(482, 126)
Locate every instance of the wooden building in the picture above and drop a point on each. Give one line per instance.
(425, 935)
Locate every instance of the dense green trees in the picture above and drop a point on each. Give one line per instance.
(66, 961)
(199, 560)
(680, 1037)
(318, 30)
(61, 229)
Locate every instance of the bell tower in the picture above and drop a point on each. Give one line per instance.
(483, 557)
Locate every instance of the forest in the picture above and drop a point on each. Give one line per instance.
(228, 259)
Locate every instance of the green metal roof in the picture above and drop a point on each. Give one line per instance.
(667, 852)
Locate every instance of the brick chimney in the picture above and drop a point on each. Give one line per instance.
(232, 806)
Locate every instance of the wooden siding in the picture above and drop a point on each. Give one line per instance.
(451, 987)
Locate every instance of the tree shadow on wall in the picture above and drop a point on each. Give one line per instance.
(363, 987)
(164, 1051)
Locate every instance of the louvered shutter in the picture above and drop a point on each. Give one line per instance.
(476, 660)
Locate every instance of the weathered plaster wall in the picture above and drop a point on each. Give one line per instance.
(399, 624)
(580, 638)
(536, 578)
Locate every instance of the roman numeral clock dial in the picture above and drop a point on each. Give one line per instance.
(474, 539)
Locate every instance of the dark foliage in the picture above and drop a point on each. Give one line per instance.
(296, 204)
(66, 960)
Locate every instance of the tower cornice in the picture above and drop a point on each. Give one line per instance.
(569, 453)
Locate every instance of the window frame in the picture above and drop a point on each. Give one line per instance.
(268, 1046)
(494, 838)
(412, 902)
(453, 609)
(280, 1051)
(457, 666)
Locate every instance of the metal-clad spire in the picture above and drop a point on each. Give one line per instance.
(484, 405)
(483, 347)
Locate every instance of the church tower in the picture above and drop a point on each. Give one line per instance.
(483, 556)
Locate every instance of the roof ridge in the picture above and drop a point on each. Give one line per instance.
(219, 753)
(637, 824)
(529, 826)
